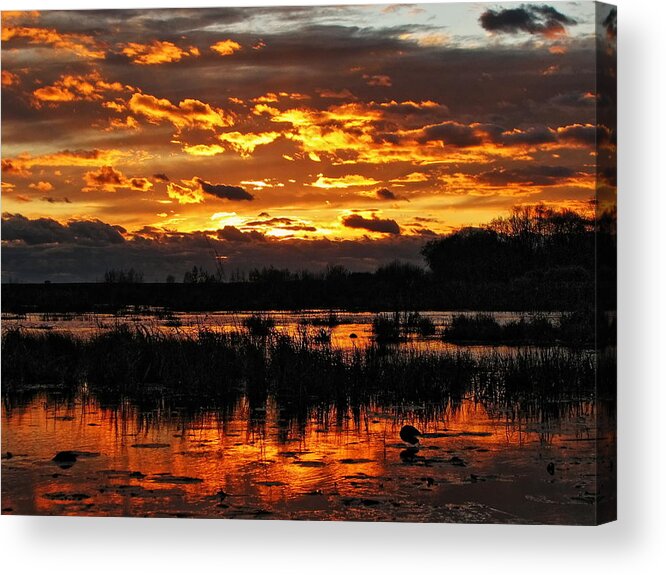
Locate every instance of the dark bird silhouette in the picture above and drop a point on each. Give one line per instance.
(409, 434)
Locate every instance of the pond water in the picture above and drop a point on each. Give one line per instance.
(351, 329)
(474, 465)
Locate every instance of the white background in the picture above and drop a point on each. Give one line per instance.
(634, 544)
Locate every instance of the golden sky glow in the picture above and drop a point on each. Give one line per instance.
(298, 117)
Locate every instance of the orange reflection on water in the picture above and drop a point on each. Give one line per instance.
(470, 466)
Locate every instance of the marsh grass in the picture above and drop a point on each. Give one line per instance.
(573, 329)
(396, 327)
(301, 370)
(259, 325)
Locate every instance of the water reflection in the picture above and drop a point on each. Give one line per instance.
(250, 458)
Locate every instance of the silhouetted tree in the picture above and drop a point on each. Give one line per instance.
(531, 239)
(199, 275)
(123, 276)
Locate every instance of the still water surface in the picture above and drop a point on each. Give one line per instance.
(476, 466)
(353, 330)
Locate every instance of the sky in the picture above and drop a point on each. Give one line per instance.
(296, 137)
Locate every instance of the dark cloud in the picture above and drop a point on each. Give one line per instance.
(52, 200)
(530, 18)
(415, 108)
(106, 175)
(574, 99)
(584, 134)
(222, 191)
(426, 232)
(157, 253)
(270, 221)
(233, 234)
(532, 136)
(452, 134)
(161, 177)
(385, 194)
(532, 175)
(288, 224)
(373, 224)
(16, 227)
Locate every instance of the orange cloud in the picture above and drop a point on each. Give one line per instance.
(411, 178)
(156, 52)
(129, 123)
(343, 94)
(108, 179)
(245, 144)
(203, 149)
(226, 47)
(116, 106)
(378, 80)
(42, 186)
(275, 96)
(188, 194)
(10, 16)
(188, 113)
(80, 44)
(73, 88)
(14, 167)
(351, 133)
(84, 158)
(347, 181)
(9, 79)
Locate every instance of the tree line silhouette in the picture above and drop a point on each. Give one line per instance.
(535, 258)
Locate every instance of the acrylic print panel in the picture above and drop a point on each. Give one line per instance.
(320, 262)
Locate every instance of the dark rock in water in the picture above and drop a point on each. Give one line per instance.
(353, 336)
(271, 483)
(222, 495)
(63, 496)
(457, 461)
(151, 445)
(350, 461)
(65, 457)
(8, 455)
(409, 434)
(137, 475)
(369, 502)
(550, 468)
(176, 479)
(310, 463)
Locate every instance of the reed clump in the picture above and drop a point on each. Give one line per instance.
(572, 329)
(132, 361)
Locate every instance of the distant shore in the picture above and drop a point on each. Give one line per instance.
(357, 292)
